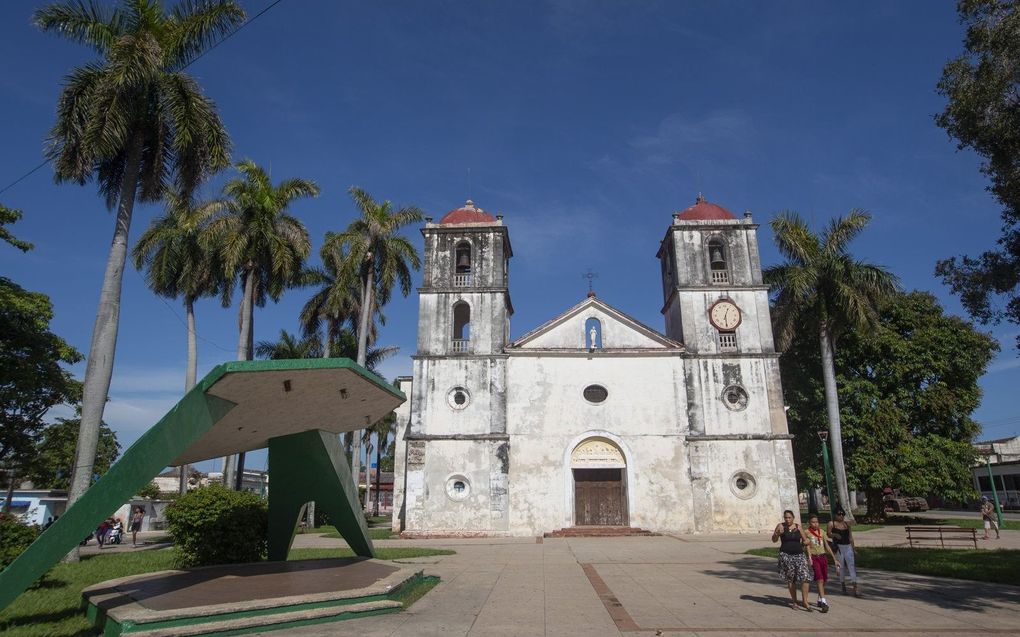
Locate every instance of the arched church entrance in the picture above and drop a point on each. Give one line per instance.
(600, 488)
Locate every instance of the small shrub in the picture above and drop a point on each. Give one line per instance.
(214, 525)
(15, 536)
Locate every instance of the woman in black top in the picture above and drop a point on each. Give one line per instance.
(793, 564)
(843, 537)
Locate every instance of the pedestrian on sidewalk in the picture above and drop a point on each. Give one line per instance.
(989, 517)
(793, 564)
(843, 538)
(103, 530)
(819, 551)
(136, 524)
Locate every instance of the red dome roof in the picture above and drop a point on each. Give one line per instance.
(468, 213)
(704, 211)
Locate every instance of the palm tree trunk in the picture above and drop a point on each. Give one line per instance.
(10, 491)
(99, 370)
(190, 375)
(378, 471)
(230, 468)
(366, 315)
(368, 476)
(835, 432)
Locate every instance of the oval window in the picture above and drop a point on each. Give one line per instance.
(595, 393)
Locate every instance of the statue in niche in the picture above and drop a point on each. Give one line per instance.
(592, 333)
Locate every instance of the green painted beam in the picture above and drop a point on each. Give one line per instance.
(184, 429)
(307, 466)
(182, 425)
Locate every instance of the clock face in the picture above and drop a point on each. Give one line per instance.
(724, 315)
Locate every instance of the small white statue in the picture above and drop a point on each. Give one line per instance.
(593, 333)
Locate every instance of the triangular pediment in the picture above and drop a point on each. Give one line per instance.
(616, 331)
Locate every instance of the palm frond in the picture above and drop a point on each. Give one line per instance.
(198, 25)
(89, 23)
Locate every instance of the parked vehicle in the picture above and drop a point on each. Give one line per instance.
(898, 503)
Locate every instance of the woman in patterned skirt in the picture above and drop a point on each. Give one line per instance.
(793, 564)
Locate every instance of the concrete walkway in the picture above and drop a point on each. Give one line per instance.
(691, 585)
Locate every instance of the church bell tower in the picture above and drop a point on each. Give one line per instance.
(716, 304)
(457, 442)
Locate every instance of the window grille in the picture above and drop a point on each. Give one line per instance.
(727, 341)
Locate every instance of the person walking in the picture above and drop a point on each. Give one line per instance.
(842, 536)
(102, 531)
(136, 524)
(989, 517)
(819, 550)
(793, 565)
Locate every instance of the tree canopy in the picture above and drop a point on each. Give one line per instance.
(983, 114)
(54, 454)
(32, 378)
(908, 387)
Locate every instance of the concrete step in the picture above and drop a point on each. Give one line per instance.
(600, 531)
(269, 621)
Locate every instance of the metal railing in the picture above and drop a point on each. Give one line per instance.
(459, 345)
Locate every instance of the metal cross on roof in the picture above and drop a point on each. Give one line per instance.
(591, 276)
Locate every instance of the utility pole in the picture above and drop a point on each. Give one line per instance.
(995, 493)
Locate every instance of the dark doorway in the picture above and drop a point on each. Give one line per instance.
(599, 498)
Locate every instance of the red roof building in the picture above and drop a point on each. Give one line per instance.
(467, 213)
(702, 210)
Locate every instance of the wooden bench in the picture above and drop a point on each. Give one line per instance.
(940, 536)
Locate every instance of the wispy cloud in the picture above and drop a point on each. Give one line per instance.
(1004, 365)
(701, 149)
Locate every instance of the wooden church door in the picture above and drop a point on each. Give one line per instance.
(599, 498)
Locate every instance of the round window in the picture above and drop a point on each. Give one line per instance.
(595, 393)
(457, 488)
(743, 485)
(458, 398)
(735, 398)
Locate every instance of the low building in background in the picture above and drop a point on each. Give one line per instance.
(1002, 458)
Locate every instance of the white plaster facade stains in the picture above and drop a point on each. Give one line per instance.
(593, 418)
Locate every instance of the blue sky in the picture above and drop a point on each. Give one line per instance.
(586, 123)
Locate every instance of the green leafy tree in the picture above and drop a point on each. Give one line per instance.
(32, 376)
(983, 114)
(54, 458)
(260, 246)
(136, 123)
(823, 290)
(379, 258)
(150, 491)
(909, 386)
(7, 217)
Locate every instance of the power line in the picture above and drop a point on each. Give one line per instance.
(174, 312)
(193, 60)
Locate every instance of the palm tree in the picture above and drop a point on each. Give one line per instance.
(378, 258)
(288, 347)
(259, 245)
(821, 287)
(383, 429)
(136, 123)
(177, 265)
(334, 304)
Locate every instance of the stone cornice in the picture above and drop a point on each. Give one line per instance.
(737, 437)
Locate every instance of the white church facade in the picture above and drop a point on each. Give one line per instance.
(593, 419)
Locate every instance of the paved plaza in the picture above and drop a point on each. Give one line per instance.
(691, 585)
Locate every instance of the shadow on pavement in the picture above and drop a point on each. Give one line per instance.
(884, 585)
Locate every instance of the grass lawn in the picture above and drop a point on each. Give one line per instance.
(1000, 566)
(51, 608)
(961, 522)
